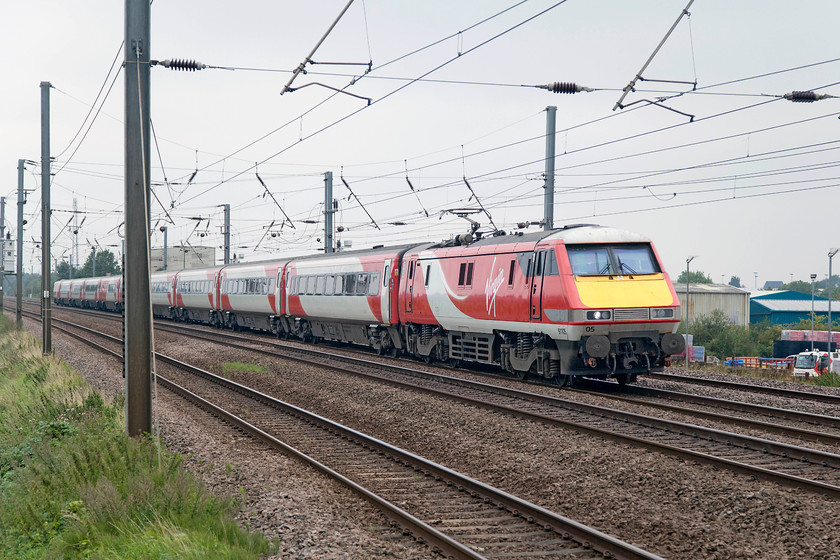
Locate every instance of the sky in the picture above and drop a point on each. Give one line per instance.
(728, 172)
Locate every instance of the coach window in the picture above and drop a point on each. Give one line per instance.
(319, 286)
(510, 275)
(428, 273)
(339, 284)
(469, 273)
(373, 288)
(361, 284)
(350, 284)
(462, 273)
(310, 284)
(330, 286)
(410, 271)
(385, 276)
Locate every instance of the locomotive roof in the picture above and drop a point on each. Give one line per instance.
(578, 233)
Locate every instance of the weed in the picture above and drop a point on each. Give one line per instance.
(234, 368)
(828, 379)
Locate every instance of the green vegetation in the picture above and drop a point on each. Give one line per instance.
(233, 368)
(724, 340)
(106, 265)
(695, 276)
(72, 485)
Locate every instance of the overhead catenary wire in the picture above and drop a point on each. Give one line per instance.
(424, 176)
(630, 87)
(393, 92)
(343, 180)
(268, 191)
(93, 105)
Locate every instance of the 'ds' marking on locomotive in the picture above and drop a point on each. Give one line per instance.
(491, 287)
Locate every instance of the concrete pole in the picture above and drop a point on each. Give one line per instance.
(227, 233)
(46, 213)
(830, 255)
(550, 135)
(2, 250)
(93, 263)
(813, 277)
(75, 250)
(687, 306)
(138, 303)
(328, 212)
(19, 269)
(165, 245)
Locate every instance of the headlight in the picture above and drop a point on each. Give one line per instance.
(603, 315)
(662, 313)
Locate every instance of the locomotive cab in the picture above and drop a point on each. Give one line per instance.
(626, 310)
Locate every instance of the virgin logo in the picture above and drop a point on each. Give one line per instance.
(491, 287)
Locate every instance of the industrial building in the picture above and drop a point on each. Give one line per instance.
(788, 307)
(705, 298)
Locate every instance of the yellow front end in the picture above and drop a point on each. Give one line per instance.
(611, 292)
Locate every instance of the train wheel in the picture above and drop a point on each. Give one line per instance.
(564, 380)
(622, 379)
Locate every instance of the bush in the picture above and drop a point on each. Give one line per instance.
(723, 339)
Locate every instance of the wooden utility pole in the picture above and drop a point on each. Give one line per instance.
(138, 302)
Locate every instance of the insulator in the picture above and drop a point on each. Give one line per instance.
(177, 64)
(802, 96)
(564, 87)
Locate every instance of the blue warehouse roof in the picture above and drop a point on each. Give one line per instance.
(786, 307)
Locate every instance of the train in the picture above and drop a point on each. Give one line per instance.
(582, 300)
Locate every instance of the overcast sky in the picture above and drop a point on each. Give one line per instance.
(750, 186)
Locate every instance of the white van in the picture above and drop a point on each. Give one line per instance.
(812, 363)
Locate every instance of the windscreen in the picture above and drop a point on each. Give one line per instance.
(612, 260)
(806, 361)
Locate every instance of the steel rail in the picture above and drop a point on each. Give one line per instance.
(791, 431)
(777, 391)
(606, 545)
(729, 439)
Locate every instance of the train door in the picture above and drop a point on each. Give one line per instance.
(385, 296)
(216, 295)
(539, 260)
(409, 285)
(281, 290)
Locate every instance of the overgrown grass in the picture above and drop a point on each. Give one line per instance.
(829, 379)
(234, 368)
(72, 485)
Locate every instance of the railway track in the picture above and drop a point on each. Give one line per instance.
(771, 415)
(775, 391)
(792, 465)
(458, 515)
